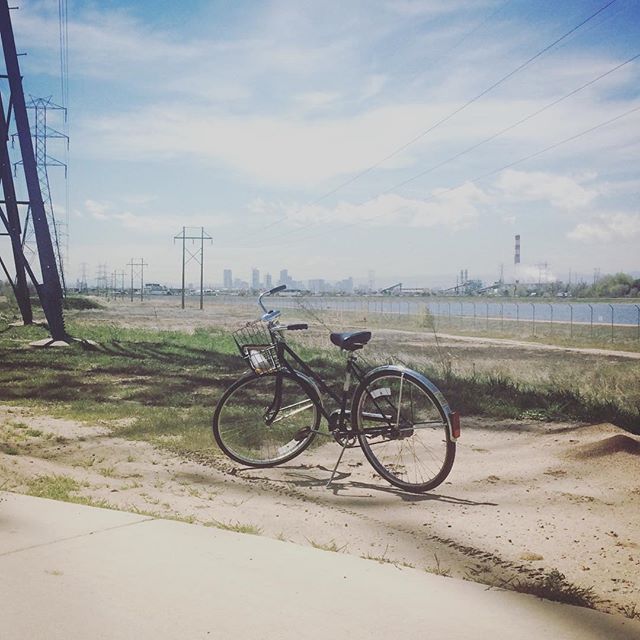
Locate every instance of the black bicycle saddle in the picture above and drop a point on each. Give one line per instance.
(351, 341)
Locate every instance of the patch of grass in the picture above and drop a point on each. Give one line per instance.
(500, 396)
(238, 527)
(182, 430)
(327, 546)
(630, 611)
(162, 516)
(437, 569)
(162, 386)
(81, 303)
(554, 586)
(54, 487)
(107, 472)
(383, 560)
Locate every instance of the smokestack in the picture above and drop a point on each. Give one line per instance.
(516, 257)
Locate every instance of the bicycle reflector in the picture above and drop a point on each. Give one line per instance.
(454, 418)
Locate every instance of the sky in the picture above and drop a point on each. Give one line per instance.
(411, 138)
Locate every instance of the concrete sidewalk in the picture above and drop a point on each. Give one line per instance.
(73, 572)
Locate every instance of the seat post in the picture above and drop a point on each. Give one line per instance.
(351, 357)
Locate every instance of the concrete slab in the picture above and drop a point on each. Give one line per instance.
(27, 522)
(83, 573)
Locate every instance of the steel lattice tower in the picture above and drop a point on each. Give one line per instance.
(49, 289)
(41, 132)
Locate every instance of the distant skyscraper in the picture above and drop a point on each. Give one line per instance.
(228, 279)
(268, 281)
(284, 277)
(345, 286)
(317, 285)
(255, 278)
(372, 280)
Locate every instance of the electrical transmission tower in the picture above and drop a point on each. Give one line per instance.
(41, 132)
(197, 256)
(49, 289)
(138, 268)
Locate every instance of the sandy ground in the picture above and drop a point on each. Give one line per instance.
(522, 498)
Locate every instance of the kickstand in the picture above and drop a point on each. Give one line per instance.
(335, 469)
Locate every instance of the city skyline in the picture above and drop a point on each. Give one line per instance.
(541, 274)
(414, 139)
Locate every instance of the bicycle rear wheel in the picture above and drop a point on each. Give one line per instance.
(266, 420)
(403, 430)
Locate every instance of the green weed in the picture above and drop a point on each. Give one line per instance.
(554, 586)
(327, 546)
(54, 487)
(238, 527)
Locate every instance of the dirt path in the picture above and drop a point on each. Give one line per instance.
(533, 346)
(522, 499)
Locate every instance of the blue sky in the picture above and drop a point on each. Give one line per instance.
(281, 128)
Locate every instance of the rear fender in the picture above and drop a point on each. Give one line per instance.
(452, 417)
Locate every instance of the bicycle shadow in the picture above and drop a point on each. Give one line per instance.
(343, 486)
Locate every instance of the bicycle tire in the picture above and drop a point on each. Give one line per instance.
(241, 427)
(403, 429)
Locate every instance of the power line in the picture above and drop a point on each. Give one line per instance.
(448, 117)
(512, 126)
(482, 176)
(466, 104)
(488, 139)
(444, 54)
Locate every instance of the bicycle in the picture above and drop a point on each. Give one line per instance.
(400, 419)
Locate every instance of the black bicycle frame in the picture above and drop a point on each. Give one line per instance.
(351, 368)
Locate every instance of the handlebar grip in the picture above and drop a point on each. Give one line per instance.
(297, 327)
(280, 287)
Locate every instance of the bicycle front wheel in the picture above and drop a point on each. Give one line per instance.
(266, 420)
(403, 430)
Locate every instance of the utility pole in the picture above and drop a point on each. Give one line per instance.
(196, 255)
(121, 274)
(83, 281)
(138, 265)
(101, 279)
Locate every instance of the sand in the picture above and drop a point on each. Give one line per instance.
(522, 499)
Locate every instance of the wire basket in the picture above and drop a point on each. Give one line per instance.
(256, 347)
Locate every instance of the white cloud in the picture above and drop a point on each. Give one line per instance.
(373, 85)
(561, 191)
(614, 227)
(156, 224)
(451, 209)
(97, 210)
(316, 99)
(416, 8)
(279, 151)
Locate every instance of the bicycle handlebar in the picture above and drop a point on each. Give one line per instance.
(297, 327)
(281, 287)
